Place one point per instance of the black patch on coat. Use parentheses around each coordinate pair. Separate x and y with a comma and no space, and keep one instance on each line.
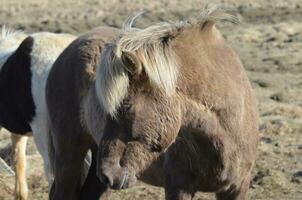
(17,107)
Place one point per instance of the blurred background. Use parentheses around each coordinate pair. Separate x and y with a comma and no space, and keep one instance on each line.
(269,42)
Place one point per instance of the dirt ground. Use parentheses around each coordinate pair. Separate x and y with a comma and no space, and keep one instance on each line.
(269,42)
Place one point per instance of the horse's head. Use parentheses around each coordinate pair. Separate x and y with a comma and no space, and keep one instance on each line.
(145,126)
(136,85)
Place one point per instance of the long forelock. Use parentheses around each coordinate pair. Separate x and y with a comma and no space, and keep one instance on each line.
(111,82)
(152,48)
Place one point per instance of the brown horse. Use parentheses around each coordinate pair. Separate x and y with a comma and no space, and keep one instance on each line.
(170,105)
(69,87)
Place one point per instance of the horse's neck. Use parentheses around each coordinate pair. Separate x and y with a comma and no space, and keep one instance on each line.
(9,45)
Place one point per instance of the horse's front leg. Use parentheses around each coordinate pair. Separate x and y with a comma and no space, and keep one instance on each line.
(179,180)
(19,160)
(176,187)
(235,192)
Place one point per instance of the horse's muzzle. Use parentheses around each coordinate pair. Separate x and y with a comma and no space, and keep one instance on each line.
(115,181)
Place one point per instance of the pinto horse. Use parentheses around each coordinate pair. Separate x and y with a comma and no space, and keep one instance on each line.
(25,61)
(169,104)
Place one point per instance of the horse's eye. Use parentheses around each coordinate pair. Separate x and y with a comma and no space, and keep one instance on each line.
(126,107)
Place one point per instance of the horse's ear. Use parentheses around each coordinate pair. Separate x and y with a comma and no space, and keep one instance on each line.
(131,63)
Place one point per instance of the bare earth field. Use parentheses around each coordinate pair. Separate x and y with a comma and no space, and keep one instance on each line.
(269,42)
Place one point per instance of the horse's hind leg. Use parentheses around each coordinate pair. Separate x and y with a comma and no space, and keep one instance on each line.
(19,159)
(41,138)
(69,158)
(93,188)
(235,193)
(67,179)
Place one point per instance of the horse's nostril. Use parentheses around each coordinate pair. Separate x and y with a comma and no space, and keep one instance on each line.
(106,180)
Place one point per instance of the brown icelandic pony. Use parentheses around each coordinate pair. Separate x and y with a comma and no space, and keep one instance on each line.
(170,105)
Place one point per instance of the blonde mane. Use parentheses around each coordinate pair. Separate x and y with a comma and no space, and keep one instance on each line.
(151,48)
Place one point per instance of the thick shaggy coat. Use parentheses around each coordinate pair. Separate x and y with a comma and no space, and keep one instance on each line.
(169,104)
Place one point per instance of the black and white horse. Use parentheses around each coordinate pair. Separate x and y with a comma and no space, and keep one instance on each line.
(25,61)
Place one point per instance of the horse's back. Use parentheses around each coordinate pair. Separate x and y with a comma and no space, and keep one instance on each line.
(78,61)
(45,50)
(73,74)
(211,74)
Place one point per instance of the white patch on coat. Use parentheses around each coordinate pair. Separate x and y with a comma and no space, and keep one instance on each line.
(46,48)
